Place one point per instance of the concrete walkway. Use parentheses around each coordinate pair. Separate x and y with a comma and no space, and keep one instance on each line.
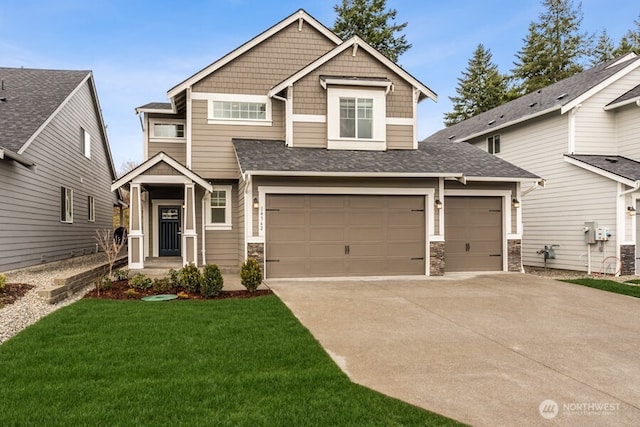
(486,350)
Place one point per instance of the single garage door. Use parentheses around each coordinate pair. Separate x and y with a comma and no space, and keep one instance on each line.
(344,235)
(473,234)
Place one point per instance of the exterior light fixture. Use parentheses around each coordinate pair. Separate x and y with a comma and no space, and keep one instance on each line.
(438,204)
(631,210)
(256,204)
(515,203)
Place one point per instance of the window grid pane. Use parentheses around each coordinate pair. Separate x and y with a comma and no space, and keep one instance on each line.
(347,117)
(240,110)
(218,206)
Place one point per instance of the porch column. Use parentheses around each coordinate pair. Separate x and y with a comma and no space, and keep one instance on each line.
(189,235)
(136,237)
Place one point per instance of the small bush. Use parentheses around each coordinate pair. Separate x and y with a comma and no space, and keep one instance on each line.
(131,293)
(212,281)
(103,283)
(121,274)
(174,276)
(250,274)
(162,286)
(190,278)
(3,282)
(140,282)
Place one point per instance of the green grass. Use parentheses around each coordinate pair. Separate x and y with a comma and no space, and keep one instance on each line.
(608,285)
(228,362)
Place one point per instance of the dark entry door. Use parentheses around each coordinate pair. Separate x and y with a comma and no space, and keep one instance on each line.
(170,235)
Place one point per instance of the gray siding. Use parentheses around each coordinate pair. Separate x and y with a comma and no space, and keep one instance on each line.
(222,246)
(400,137)
(310,135)
(30,227)
(177,150)
(628,127)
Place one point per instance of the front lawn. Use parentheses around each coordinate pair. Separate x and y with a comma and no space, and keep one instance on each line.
(608,285)
(227,362)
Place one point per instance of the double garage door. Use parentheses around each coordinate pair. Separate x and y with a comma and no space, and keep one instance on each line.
(344,235)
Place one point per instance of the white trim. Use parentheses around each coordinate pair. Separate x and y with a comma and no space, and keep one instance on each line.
(601,172)
(301,14)
(54,114)
(255,239)
(428,194)
(227,97)
(91,209)
(155,204)
(309,118)
(500,179)
(635,100)
(161,179)
(86,143)
(400,121)
(379,127)
(416,99)
(153,138)
(597,88)
(68,191)
(145,226)
(441,211)
(160,157)
(289,117)
(456,176)
(189,131)
(571,131)
(506,196)
(155,110)
(228,224)
(341,48)
(337,81)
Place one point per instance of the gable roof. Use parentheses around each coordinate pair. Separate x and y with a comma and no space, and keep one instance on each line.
(161,157)
(627,98)
(559,96)
(618,168)
(156,107)
(355,42)
(300,15)
(29,98)
(460,161)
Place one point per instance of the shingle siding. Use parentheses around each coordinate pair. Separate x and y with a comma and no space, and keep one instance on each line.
(30,227)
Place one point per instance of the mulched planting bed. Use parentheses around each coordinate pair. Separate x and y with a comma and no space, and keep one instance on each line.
(119,291)
(13,292)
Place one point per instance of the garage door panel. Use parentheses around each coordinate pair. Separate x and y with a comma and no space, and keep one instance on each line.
(365,234)
(366,218)
(325,202)
(324,234)
(326,217)
(287,250)
(326,250)
(289,234)
(281,201)
(286,218)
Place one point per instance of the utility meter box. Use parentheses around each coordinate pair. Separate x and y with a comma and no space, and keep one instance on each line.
(590,232)
(602,234)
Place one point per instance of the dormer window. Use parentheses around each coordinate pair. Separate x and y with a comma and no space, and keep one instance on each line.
(356,118)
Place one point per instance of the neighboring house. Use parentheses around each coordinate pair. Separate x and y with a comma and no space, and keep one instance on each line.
(55,166)
(300,149)
(582,135)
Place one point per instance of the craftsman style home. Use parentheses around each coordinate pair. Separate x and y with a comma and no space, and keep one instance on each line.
(582,135)
(55,167)
(301,150)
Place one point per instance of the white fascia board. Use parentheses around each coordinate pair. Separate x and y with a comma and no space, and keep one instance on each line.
(500,179)
(155,111)
(341,48)
(511,123)
(55,112)
(602,172)
(357,174)
(597,88)
(350,82)
(301,14)
(622,104)
(8,154)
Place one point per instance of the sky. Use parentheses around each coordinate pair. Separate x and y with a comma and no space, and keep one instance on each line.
(139,49)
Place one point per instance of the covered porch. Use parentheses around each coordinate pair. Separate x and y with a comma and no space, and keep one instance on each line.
(162,221)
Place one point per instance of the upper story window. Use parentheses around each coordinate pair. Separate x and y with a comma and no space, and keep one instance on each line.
(239,110)
(493,144)
(230,109)
(164,130)
(86,143)
(219,208)
(356,118)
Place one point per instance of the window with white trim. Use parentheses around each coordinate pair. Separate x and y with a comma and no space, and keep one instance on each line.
(91,209)
(66,204)
(239,109)
(218,207)
(86,143)
(356,118)
(493,144)
(163,130)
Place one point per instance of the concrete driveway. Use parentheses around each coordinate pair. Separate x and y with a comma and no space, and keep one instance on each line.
(486,350)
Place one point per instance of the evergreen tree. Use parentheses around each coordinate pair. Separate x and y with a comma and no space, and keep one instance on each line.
(603,50)
(553,48)
(630,41)
(480,88)
(370,20)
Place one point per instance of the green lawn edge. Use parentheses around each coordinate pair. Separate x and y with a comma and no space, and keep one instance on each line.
(607,285)
(228,362)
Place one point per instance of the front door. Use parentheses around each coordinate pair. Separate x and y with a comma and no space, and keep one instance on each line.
(169,231)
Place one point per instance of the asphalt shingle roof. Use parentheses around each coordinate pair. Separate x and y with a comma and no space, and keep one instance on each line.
(28,97)
(157,106)
(632,94)
(555,95)
(436,158)
(617,165)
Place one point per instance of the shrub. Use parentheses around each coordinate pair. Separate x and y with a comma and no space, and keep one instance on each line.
(104,283)
(190,278)
(250,274)
(162,286)
(3,281)
(212,281)
(131,293)
(121,274)
(140,282)
(174,276)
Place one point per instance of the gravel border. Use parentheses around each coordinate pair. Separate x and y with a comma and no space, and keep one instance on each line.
(31,308)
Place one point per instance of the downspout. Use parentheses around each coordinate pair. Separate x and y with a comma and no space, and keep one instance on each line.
(204,231)
(288,114)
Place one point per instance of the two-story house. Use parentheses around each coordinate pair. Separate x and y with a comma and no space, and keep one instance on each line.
(582,135)
(301,150)
(56,168)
